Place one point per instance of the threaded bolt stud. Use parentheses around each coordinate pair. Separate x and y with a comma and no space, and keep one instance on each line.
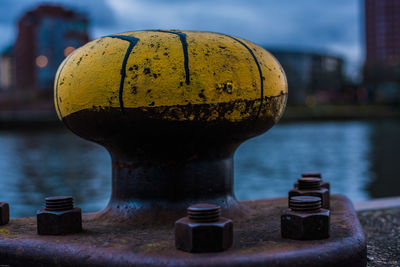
(59,203)
(305,203)
(309,183)
(312,174)
(204,212)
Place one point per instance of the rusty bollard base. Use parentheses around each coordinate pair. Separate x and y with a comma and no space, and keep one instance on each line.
(257,242)
(4,213)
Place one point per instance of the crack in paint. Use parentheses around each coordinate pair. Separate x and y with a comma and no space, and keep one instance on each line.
(132,42)
(182,38)
(259,70)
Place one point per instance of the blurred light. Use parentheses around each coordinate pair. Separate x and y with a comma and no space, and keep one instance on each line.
(41,61)
(310,101)
(68,50)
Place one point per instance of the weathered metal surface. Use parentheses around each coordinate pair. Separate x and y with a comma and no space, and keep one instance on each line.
(203,230)
(305,220)
(257,242)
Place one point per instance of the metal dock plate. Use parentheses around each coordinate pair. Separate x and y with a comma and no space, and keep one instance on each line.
(257,242)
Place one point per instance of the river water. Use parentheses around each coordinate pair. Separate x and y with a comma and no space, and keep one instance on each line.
(360,159)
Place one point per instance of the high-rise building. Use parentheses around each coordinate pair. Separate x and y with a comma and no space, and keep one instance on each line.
(46,35)
(382,38)
(382,25)
(7,70)
(312,77)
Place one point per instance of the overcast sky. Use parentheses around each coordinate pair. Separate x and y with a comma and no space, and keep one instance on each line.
(308,25)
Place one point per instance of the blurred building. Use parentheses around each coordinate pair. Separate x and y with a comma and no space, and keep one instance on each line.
(46,35)
(382,38)
(311,77)
(7,69)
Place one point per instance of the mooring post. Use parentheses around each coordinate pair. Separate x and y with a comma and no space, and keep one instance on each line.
(171,107)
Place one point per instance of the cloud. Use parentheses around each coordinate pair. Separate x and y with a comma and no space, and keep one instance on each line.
(312,25)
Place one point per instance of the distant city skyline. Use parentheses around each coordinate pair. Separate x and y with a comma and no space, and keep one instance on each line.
(382,31)
(333,27)
(46,35)
(382,66)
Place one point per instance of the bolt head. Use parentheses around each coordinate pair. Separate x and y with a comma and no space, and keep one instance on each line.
(59,222)
(4,213)
(305,226)
(203,237)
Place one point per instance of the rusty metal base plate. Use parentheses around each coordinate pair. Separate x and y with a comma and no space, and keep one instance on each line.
(257,242)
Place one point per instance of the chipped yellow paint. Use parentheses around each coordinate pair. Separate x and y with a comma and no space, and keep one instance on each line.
(221,70)
(5,232)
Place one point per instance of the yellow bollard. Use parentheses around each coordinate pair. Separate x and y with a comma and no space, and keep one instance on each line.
(163,70)
(171,107)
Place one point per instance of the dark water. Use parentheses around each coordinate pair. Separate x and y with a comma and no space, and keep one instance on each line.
(359,159)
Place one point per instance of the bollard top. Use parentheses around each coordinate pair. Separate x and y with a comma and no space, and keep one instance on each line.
(150,90)
(167,71)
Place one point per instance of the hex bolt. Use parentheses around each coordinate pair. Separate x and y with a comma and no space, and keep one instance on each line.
(311,186)
(305,219)
(60,217)
(317,175)
(4,213)
(203,230)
